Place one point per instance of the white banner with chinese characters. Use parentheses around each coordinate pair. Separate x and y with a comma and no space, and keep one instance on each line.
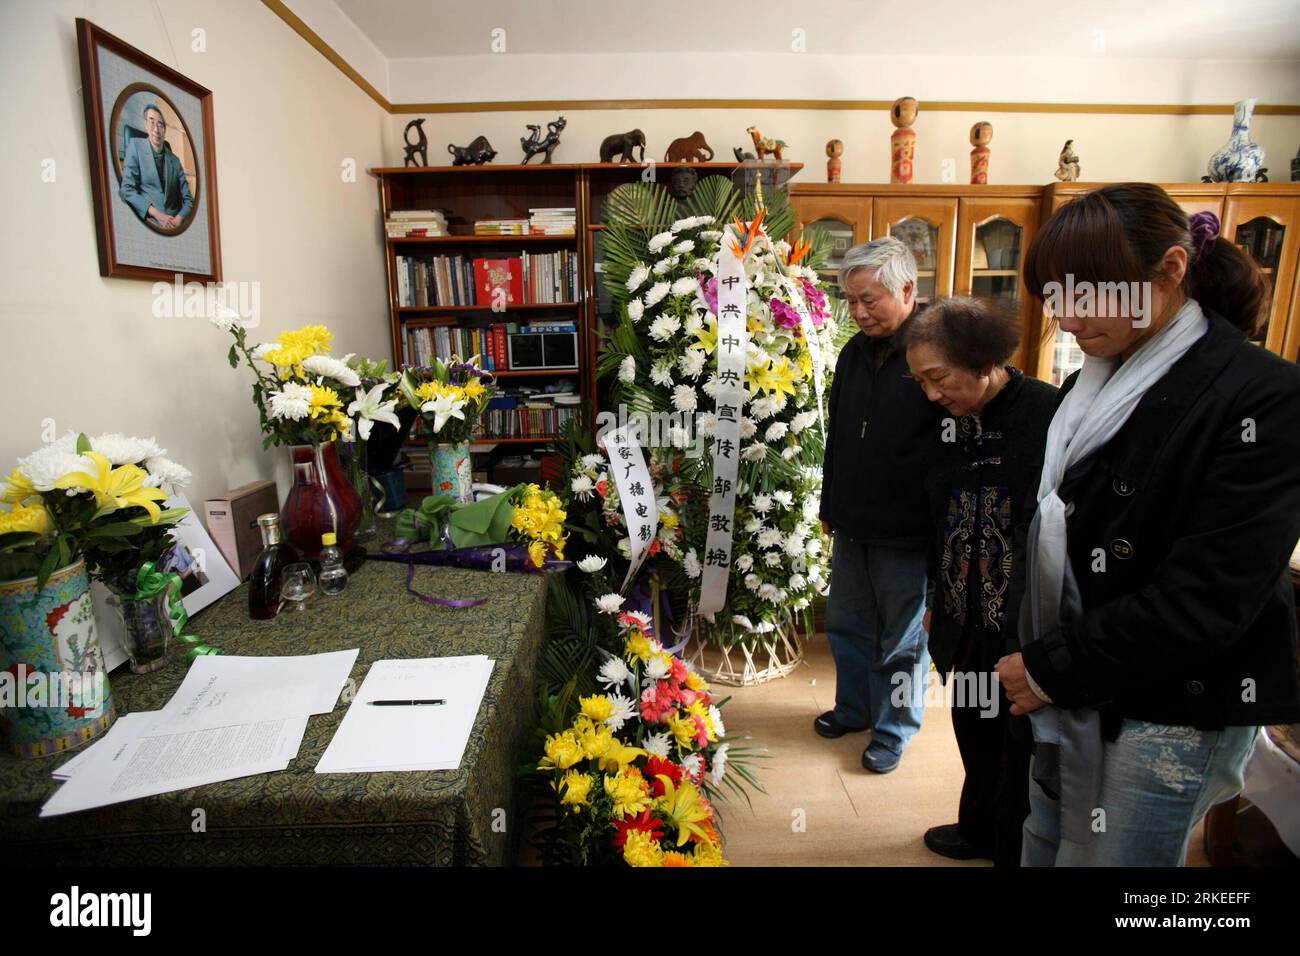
(636,493)
(729,403)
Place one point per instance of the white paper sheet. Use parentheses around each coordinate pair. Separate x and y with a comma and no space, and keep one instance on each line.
(220,690)
(139,762)
(375,739)
(121,727)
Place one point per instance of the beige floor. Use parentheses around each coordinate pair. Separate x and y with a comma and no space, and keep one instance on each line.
(821,808)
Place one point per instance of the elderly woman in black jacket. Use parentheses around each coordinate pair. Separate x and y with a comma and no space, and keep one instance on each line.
(1158,628)
(981,471)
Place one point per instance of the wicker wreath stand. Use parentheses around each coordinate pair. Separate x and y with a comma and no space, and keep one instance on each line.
(724,654)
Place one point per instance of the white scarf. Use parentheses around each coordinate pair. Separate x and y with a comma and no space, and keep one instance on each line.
(1101,401)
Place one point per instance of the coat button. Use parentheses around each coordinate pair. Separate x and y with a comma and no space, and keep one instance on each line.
(1121,549)
(1195,687)
(1122,487)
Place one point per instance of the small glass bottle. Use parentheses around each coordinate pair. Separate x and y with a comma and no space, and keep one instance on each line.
(264,601)
(333,577)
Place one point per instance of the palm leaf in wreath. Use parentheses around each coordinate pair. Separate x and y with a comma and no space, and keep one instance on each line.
(644,205)
(714,196)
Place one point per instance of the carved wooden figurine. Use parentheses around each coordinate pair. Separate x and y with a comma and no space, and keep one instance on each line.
(419,150)
(834,149)
(535,143)
(766,146)
(478,152)
(689,149)
(1067,167)
(902,144)
(981,134)
(625,145)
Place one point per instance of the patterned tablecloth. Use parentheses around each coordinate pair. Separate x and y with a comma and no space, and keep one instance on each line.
(442,818)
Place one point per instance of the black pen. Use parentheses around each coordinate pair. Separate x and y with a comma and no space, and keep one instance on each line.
(403,703)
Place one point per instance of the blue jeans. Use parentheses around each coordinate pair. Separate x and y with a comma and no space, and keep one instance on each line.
(873,621)
(1157,781)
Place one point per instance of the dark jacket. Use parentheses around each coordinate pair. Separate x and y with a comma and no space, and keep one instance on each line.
(1180,534)
(981,478)
(880,426)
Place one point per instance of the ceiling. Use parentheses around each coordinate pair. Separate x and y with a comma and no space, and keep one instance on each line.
(1190,29)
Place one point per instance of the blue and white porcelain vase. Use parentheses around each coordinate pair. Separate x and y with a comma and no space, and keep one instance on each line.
(1240,160)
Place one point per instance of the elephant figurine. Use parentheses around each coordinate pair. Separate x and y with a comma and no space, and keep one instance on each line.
(689,149)
(623,144)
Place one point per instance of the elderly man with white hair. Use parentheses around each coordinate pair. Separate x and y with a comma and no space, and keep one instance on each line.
(874,504)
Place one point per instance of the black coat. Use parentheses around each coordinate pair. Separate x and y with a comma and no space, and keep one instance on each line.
(879,428)
(1180,534)
(981,478)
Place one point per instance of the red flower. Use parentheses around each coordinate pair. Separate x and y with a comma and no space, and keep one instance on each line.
(654,547)
(642,821)
(602,487)
(656,766)
(679,673)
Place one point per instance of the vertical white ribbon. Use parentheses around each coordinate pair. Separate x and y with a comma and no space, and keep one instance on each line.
(729,405)
(636,493)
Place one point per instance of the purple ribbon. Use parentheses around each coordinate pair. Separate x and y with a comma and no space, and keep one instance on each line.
(440,602)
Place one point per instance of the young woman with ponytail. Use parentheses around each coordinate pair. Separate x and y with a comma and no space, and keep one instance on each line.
(1158,627)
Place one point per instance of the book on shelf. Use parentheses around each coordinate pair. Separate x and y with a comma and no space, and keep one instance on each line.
(552,221)
(445,340)
(404,223)
(501,227)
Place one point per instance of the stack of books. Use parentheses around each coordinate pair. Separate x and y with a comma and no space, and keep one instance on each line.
(501,227)
(444,342)
(435,280)
(552,221)
(524,412)
(402,223)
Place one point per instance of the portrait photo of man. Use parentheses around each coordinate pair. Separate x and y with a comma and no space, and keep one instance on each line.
(154,181)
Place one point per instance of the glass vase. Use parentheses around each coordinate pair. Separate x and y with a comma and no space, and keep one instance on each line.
(359,476)
(146,629)
(321,499)
(453,470)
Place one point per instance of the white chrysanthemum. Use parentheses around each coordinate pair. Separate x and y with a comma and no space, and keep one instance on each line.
(775,431)
(753,525)
(692,325)
(798,582)
(678,437)
(625,709)
(772,559)
(794,543)
(702,265)
(583,488)
(658,243)
(745,562)
(46,465)
(683,247)
(711,386)
(625,547)
(770,537)
(594,460)
(761,503)
(790,451)
(661,373)
(665,327)
(765,627)
(609,603)
(332,368)
(164,470)
(592,563)
(783,498)
(753,581)
(656,294)
(292,402)
(748,428)
(122,449)
(627,370)
(685,398)
(637,277)
(643,621)
(224,317)
(813,546)
(686,285)
(613,672)
(691,363)
(754,452)
(635,309)
(692,564)
(815,573)
(657,668)
(711,235)
(259,351)
(719,728)
(743,621)
(802,421)
(707,423)
(719,769)
(665,266)
(693,764)
(657,745)
(762,408)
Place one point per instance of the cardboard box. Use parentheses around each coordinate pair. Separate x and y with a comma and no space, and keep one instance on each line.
(232,522)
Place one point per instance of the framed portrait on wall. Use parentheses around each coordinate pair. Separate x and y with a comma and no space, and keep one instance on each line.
(152,163)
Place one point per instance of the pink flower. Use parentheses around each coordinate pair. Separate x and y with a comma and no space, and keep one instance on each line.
(709,290)
(783,314)
(816,301)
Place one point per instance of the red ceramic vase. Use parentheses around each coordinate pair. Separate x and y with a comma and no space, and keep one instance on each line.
(321,499)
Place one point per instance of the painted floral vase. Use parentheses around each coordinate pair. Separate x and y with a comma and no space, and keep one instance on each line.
(453,470)
(1241,159)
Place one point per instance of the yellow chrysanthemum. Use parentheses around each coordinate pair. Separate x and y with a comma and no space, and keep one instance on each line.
(708,853)
(428,391)
(641,849)
(638,646)
(695,682)
(473,388)
(685,809)
(562,751)
(597,707)
(804,363)
(595,739)
(309,339)
(33,519)
(668,519)
(18,488)
(537,553)
(115,488)
(629,792)
(683,730)
(575,789)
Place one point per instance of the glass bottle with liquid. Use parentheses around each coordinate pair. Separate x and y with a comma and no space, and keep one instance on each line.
(333,576)
(264,600)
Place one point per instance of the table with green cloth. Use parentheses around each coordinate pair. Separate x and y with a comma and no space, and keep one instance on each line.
(443,818)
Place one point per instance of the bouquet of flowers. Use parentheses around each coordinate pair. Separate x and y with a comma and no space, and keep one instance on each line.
(631,771)
(449,397)
(298,386)
(590,485)
(93,498)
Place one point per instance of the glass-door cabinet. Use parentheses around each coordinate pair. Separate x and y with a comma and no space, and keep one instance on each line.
(927,225)
(1266,228)
(845,218)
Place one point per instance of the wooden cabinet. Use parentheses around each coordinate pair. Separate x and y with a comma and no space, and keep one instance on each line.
(1265,226)
(928,226)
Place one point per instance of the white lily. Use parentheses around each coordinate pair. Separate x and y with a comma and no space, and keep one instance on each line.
(444,408)
(369,408)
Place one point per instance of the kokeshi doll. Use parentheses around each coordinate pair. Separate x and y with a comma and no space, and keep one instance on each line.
(903,143)
(981,134)
(834,150)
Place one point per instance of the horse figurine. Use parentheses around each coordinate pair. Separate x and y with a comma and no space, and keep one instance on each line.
(764,147)
(533,145)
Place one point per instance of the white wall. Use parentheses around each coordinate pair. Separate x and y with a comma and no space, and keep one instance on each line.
(1157,148)
(86,351)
